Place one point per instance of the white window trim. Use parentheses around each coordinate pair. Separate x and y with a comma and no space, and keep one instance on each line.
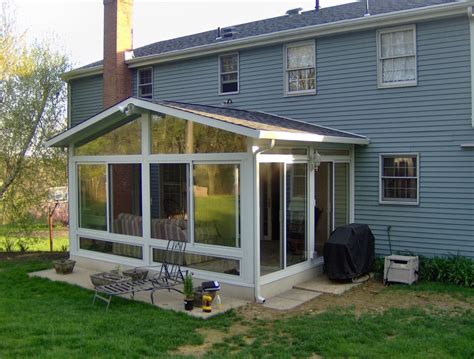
(400,202)
(149,83)
(380,83)
(224,73)
(285,68)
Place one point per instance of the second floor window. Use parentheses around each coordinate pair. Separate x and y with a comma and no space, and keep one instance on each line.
(397,57)
(145,83)
(300,72)
(229,73)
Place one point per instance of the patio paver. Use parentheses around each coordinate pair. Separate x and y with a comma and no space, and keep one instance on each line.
(163,299)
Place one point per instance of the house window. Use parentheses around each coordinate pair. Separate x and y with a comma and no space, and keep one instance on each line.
(397,57)
(300,68)
(399,178)
(229,73)
(145,83)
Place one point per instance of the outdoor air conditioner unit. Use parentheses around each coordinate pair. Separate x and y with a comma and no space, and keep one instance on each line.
(400,269)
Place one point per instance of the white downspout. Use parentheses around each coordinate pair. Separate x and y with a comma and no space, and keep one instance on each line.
(256,151)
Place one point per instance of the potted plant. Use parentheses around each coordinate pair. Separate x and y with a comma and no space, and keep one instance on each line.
(64,266)
(188,292)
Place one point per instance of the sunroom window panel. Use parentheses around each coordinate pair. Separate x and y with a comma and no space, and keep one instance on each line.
(169,201)
(171,135)
(125,191)
(124,140)
(217,204)
(296,213)
(92,196)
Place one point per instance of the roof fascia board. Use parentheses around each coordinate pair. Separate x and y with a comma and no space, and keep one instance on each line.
(368,22)
(82,126)
(82,72)
(62,138)
(309,137)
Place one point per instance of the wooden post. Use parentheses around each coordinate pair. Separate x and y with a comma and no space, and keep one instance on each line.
(50,225)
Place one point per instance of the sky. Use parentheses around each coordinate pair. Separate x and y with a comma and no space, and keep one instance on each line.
(75,27)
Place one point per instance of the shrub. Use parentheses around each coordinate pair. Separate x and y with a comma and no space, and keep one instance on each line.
(457,270)
(23,246)
(9,245)
(454,269)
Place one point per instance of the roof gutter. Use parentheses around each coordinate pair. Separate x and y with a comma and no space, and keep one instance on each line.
(82,72)
(362,23)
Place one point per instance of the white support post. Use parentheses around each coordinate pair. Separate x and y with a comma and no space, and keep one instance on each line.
(146,209)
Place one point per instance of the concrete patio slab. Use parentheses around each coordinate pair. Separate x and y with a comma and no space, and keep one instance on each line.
(290,299)
(163,299)
(323,284)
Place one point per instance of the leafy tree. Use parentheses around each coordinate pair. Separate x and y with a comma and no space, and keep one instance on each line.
(32,109)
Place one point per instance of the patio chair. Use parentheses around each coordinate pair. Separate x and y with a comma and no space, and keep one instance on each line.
(168,277)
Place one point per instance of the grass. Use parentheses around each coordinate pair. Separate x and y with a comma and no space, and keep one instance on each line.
(409,333)
(37,241)
(40,318)
(44,319)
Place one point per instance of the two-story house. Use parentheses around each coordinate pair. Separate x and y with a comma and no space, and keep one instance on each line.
(253,142)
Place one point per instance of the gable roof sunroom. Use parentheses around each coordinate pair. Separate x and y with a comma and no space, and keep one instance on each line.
(253,124)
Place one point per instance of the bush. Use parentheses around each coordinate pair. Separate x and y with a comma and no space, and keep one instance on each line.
(454,269)
(457,270)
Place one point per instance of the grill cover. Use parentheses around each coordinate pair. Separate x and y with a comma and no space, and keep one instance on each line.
(349,252)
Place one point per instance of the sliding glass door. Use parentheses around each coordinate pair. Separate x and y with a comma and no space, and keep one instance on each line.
(332,200)
(283,215)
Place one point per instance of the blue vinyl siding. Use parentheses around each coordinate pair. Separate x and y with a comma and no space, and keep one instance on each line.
(86,98)
(432,119)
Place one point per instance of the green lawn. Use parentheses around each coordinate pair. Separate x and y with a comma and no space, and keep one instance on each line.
(44,319)
(36,240)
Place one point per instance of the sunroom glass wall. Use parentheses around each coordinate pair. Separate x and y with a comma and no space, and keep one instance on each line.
(169,201)
(217,204)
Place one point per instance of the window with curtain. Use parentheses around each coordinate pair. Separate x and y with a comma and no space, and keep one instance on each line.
(300,68)
(397,57)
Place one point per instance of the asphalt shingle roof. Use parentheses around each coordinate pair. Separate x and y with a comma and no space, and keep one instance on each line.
(327,15)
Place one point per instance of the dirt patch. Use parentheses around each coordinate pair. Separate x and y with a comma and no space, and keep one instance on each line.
(211,337)
(7,256)
(371,296)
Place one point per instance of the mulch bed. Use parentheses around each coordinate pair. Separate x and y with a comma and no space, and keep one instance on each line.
(28,256)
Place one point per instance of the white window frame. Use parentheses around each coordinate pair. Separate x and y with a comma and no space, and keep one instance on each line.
(226,73)
(311,43)
(139,85)
(380,83)
(417,177)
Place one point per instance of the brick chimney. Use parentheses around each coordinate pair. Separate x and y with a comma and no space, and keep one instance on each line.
(117,41)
